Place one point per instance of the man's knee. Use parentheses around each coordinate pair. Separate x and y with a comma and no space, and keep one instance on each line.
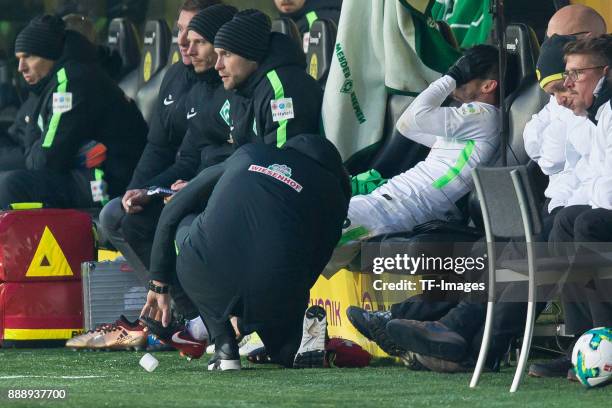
(563,225)
(593,225)
(111,215)
(12,185)
(139,227)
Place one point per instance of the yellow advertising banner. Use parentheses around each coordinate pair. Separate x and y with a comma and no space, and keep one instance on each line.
(345,288)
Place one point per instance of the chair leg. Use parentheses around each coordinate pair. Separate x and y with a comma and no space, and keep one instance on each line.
(484,346)
(522,363)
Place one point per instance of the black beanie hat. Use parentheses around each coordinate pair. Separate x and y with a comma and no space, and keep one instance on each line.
(247,35)
(43,37)
(208,21)
(551,64)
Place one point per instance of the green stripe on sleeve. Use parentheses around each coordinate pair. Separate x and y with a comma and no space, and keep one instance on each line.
(454,171)
(311,17)
(62,85)
(279,93)
(353,235)
(99,176)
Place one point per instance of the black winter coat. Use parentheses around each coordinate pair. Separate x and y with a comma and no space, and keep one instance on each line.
(279,100)
(168,126)
(206,140)
(273,217)
(80,103)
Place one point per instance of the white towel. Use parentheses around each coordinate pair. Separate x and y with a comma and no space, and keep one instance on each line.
(382,46)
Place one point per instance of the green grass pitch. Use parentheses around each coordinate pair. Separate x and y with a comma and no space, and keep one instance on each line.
(115,379)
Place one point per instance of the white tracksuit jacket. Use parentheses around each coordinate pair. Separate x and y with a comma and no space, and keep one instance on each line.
(557,139)
(460,139)
(595,174)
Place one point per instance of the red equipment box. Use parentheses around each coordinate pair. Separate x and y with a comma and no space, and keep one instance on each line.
(41,251)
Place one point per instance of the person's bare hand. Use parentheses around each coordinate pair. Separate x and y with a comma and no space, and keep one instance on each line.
(176,186)
(133,201)
(157,307)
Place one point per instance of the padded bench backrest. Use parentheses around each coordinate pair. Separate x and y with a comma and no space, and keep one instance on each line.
(321,49)
(287,26)
(397,153)
(123,37)
(157,39)
(174,55)
(526,98)
(156,45)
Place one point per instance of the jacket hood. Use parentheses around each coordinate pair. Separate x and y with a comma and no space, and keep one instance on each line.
(79,48)
(282,52)
(321,150)
(314,5)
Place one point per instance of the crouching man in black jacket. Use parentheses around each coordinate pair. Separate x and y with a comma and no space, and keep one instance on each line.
(272,219)
(84,137)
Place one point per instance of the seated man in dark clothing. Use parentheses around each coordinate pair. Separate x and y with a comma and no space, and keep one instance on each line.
(188,134)
(77,47)
(273,97)
(272,218)
(79,106)
(306,12)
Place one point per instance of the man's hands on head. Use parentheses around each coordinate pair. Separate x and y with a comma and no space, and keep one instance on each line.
(133,201)
(461,71)
(157,306)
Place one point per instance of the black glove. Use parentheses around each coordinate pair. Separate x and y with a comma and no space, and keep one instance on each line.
(461,71)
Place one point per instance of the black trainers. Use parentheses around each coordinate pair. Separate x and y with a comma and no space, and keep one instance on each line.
(156,328)
(226,356)
(360,319)
(311,353)
(431,339)
(558,367)
(380,335)
(438,365)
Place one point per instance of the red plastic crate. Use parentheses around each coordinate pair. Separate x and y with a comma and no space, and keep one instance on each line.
(44,245)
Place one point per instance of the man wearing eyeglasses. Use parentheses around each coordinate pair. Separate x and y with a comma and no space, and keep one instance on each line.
(584,226)
(550,137)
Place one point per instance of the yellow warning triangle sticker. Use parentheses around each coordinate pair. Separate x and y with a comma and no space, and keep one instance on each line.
(49,259)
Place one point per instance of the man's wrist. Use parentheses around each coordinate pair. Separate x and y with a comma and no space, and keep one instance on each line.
(158,287)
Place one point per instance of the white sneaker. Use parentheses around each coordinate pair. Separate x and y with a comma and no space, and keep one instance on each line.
(311,353)
(249,343)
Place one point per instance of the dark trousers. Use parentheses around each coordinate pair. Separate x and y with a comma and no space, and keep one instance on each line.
(575,232)
(58,190)
(281,341)
(467,317)
(11,155)
(132,235)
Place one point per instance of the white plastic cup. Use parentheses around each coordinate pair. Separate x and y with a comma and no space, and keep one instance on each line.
(149,363)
